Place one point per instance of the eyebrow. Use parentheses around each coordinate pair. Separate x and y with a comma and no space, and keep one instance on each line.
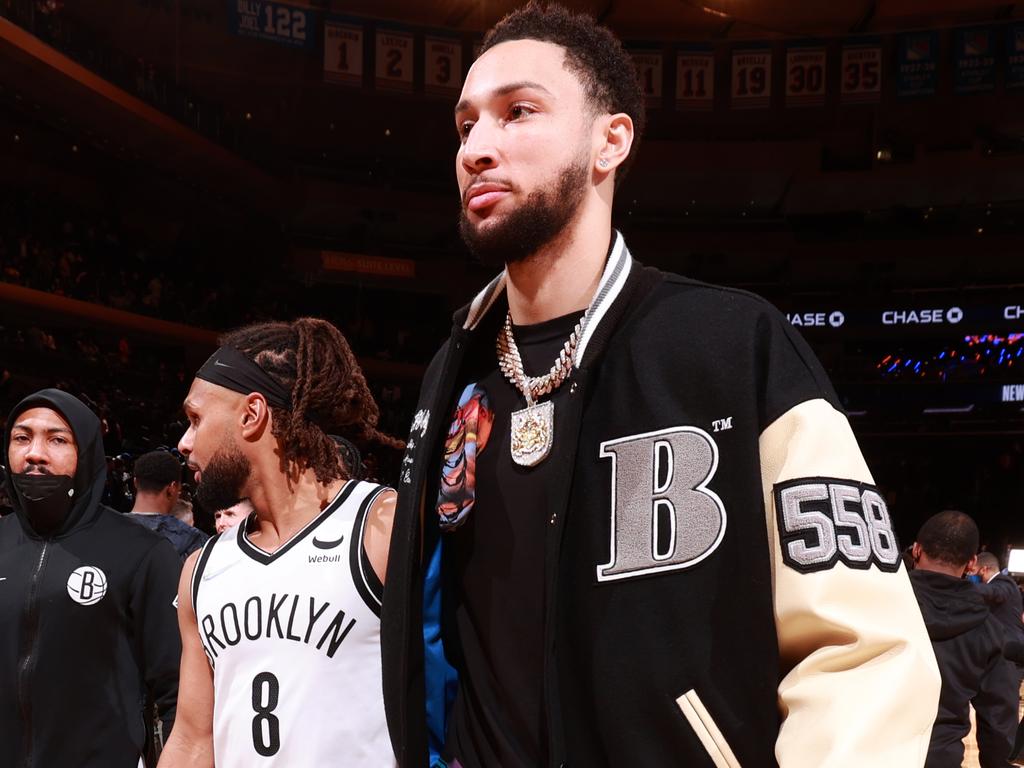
(50,431)
(505,90)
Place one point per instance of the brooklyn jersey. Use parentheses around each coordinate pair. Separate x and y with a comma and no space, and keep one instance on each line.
(293,638)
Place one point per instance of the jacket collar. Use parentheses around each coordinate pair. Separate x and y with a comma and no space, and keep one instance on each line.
(616,272)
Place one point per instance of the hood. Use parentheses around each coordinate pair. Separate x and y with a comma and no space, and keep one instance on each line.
(91,474)
(950,606)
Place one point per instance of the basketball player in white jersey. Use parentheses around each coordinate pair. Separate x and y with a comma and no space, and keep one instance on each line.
(279,614)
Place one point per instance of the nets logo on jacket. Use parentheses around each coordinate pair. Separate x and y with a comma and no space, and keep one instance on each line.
(87,585)
(663,515)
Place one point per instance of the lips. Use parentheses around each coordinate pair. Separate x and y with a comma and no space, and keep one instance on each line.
(485,195)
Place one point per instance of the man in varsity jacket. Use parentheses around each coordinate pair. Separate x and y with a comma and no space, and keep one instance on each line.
(634,526)
(88,626)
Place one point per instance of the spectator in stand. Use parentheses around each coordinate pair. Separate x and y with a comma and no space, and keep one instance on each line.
(968,642)
(157,489)
(1002,595)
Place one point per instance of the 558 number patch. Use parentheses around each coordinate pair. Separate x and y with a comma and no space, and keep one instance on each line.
(824,521)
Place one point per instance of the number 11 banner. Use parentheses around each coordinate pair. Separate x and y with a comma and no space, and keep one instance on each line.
(751,78)
(805,76)
(695,79)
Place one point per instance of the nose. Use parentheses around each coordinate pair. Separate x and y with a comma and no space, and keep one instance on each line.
(36,453)
(480,151)
(185,443)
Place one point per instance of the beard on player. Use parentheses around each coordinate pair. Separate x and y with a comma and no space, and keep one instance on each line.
(541,219)
(223,478)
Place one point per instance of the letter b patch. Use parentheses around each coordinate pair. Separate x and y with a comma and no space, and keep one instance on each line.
(664,517)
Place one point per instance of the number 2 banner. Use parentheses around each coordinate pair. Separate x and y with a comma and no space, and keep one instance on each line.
(394,60)
(443,65)
(695,79)
(805,76)
(343,53)
(751,78)
(860,74)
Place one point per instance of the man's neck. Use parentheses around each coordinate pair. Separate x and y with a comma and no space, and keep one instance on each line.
(563,276)
(926,563)
(147,505)
(284,507)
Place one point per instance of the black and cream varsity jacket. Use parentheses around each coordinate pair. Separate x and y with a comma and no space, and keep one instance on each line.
(773,624)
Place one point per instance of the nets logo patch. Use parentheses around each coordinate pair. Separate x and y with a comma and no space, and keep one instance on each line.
(824,521)
(87,585)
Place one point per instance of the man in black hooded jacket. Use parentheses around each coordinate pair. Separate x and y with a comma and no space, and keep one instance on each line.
(968,643)
(88,624)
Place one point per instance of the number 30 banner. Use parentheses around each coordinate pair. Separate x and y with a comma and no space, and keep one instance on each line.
(805,76)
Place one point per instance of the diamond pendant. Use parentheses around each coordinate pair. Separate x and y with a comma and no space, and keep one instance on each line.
(533,430)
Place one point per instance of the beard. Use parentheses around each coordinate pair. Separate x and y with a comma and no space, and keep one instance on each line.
(534,224)
(223,479)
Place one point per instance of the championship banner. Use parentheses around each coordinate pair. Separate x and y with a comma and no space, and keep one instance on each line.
(917,70)
(1015,56)
(394,60)
(805,76)
(649,73)
(974,60)
(860,73)
(751,78)
(343,53)
(442,65)
(695,79)
(272,21)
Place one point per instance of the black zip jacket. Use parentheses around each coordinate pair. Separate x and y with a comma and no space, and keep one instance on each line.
(768,623)
(968,641)
(76,673)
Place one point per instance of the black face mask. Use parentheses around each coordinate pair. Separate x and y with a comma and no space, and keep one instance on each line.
(47,499)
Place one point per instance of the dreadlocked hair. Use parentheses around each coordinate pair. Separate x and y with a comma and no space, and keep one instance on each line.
(313,361)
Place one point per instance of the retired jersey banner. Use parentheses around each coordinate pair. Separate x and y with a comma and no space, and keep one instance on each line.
(751,78)
(272,21)
(648,71)
(343,53)
(442,65)
(974,60)
(394,67)
(805,76)
(860,72)
(695,79)
(1015,56)
(917,66)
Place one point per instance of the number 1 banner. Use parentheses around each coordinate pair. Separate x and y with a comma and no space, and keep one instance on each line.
(343,53)
(695,79)
(751,78)
(394,60)
(648,71)
(860,74)
(443,65)
(805,76)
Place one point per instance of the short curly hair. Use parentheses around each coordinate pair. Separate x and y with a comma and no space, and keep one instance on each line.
(606,70)
(951,537)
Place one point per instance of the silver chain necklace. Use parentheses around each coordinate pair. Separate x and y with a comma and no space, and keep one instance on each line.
(533,427)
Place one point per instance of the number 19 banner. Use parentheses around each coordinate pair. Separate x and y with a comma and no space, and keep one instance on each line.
(751,78)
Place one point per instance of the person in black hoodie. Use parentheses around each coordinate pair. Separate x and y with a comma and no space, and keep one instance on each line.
(88,620)
(968,642)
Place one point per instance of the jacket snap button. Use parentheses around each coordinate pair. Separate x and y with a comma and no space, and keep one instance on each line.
(572,391)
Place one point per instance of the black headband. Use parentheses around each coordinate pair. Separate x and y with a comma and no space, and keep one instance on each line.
(229,368)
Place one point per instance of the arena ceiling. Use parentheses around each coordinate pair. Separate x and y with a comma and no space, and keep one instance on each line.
(705,19)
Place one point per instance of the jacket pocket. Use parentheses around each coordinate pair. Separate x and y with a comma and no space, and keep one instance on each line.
(703,725)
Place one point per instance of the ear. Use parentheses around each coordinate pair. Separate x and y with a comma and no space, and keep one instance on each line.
(915,552)
(255,416)
(612,142)
(972,565)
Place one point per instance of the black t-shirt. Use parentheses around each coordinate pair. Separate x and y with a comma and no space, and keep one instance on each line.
(498,571)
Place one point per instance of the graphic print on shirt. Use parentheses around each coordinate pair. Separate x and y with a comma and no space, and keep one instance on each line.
(467,437)
(87,585)
(663,515)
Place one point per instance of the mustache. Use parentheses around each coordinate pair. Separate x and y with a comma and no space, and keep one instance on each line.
(37,469)
(481,179)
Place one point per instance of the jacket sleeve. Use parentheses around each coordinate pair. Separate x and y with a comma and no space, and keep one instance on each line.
(154,613)
(859,684)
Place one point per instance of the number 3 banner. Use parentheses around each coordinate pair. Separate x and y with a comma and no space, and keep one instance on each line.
(343,53)
(805,76)
(394,60)
(443,66)
(695,79)
(751,78)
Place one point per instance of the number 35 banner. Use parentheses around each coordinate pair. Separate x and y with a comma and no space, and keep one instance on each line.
(394,59)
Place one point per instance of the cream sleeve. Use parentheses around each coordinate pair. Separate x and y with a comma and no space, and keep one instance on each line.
(860,684)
